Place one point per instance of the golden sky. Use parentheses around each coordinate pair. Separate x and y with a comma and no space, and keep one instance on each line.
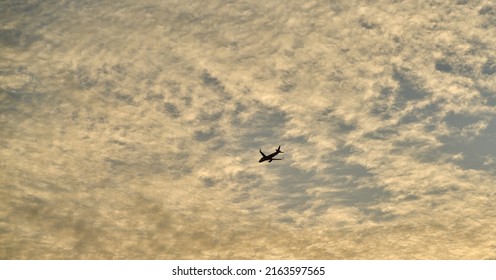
(131,129)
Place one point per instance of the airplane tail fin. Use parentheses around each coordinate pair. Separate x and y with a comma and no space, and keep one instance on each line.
(279,150)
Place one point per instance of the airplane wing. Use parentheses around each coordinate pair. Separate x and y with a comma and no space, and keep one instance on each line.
(277,158)
(262,153)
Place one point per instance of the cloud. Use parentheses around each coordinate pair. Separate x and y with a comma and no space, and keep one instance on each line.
(131,130)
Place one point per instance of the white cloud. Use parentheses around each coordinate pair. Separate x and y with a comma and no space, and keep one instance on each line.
(142,121)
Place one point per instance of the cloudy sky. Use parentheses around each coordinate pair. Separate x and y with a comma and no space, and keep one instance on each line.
(131,129)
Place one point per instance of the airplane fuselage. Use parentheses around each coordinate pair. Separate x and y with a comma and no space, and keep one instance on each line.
(269,157)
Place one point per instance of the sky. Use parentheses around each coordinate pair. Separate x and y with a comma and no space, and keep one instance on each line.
(132,129)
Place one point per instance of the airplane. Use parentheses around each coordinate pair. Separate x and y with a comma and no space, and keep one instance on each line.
(270,157)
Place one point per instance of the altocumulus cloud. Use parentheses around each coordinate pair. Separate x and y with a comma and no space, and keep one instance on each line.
(131,130)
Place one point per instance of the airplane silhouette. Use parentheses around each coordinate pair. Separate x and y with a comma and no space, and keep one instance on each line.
(271,156)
